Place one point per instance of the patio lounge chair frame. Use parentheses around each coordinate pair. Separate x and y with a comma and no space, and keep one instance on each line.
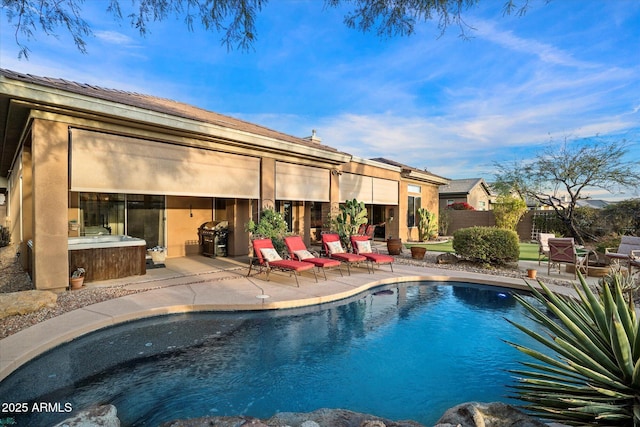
(627,252)
(286,265)
(295,243)
(347,258)
(543,245)
(372,257)
(563,251)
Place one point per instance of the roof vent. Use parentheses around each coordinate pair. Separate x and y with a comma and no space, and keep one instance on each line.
(314,137)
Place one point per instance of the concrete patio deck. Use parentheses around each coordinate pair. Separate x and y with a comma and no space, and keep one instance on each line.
(199,283)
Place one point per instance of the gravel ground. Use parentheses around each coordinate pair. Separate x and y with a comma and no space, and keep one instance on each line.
(13,279)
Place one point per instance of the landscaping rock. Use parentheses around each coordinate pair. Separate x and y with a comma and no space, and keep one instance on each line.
(99,416)
(447,258)
(319,418)
(496,414)
(25,302)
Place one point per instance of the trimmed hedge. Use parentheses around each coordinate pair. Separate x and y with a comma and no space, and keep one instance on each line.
(487,245)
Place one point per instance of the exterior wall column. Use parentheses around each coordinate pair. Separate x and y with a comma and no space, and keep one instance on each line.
(334,192)
(239,215)
(49,167)
(267,183)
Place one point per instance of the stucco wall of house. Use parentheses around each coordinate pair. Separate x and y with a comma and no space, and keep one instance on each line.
(184,216)
(48,218)
(429,200)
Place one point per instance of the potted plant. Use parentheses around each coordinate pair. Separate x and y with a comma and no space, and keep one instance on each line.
(394,245)
(158,254)
(77,278)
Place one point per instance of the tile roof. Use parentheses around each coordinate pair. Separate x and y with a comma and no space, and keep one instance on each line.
(160,105)
(462,186)
(404,167)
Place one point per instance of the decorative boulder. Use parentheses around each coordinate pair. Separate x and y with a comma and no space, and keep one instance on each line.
(99,416)
(474,414)
(320,417)
(25,302)
(447,258)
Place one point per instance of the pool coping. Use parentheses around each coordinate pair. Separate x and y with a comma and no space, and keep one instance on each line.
(222,290)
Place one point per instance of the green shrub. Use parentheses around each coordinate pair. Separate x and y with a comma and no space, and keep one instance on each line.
(508,211)
(271,225)
(487,245)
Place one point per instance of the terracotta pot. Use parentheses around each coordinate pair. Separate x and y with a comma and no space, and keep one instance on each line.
(76,282)
(394,246)
(531,273)
(417,252)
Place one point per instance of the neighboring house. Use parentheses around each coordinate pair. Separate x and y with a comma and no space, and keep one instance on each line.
(78,160)
(474,191)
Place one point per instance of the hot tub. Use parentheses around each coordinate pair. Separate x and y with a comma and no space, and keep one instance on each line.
(107,257)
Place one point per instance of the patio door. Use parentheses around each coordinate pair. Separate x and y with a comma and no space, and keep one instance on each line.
(146,219)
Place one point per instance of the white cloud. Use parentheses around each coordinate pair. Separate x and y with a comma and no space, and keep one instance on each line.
(114,37)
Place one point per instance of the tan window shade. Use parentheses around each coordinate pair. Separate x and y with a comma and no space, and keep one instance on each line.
(119,164)
(385,192)
(303,183)
(368,189)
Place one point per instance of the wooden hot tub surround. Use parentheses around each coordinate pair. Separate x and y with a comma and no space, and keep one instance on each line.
(108,257)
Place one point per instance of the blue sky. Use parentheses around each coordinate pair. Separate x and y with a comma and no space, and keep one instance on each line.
(566,69)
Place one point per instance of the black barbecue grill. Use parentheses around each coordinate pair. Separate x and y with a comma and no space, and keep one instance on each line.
(214,236)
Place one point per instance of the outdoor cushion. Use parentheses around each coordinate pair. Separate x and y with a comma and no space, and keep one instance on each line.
(379,258)
(344,256)
(270,254)
(292,265)
(303,254)
(364,247)
(335,248)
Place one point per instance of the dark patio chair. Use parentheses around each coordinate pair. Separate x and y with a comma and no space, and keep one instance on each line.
(563,251)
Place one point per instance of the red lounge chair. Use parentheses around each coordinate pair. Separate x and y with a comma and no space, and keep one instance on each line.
(362,246)
(266,258)
(333,248)
(298,251)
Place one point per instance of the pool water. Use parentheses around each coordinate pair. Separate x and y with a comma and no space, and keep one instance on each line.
(409,352)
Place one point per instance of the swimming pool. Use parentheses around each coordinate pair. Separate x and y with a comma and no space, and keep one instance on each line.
(407,351)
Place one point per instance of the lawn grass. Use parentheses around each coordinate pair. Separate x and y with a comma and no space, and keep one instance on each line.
(528,251)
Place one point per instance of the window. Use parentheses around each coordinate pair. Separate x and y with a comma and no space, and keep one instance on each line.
(413,205)
(450,202)
(134,215)
(316,215)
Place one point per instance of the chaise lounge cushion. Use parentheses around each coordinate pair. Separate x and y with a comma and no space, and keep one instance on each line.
(270,254)
(363,246)
(303,254)
(375,258)
(335,248)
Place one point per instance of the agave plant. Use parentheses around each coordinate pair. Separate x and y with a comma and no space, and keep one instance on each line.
(595,378)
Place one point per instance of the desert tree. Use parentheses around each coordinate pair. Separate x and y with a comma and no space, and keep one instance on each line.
(558,176)
(234,19)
